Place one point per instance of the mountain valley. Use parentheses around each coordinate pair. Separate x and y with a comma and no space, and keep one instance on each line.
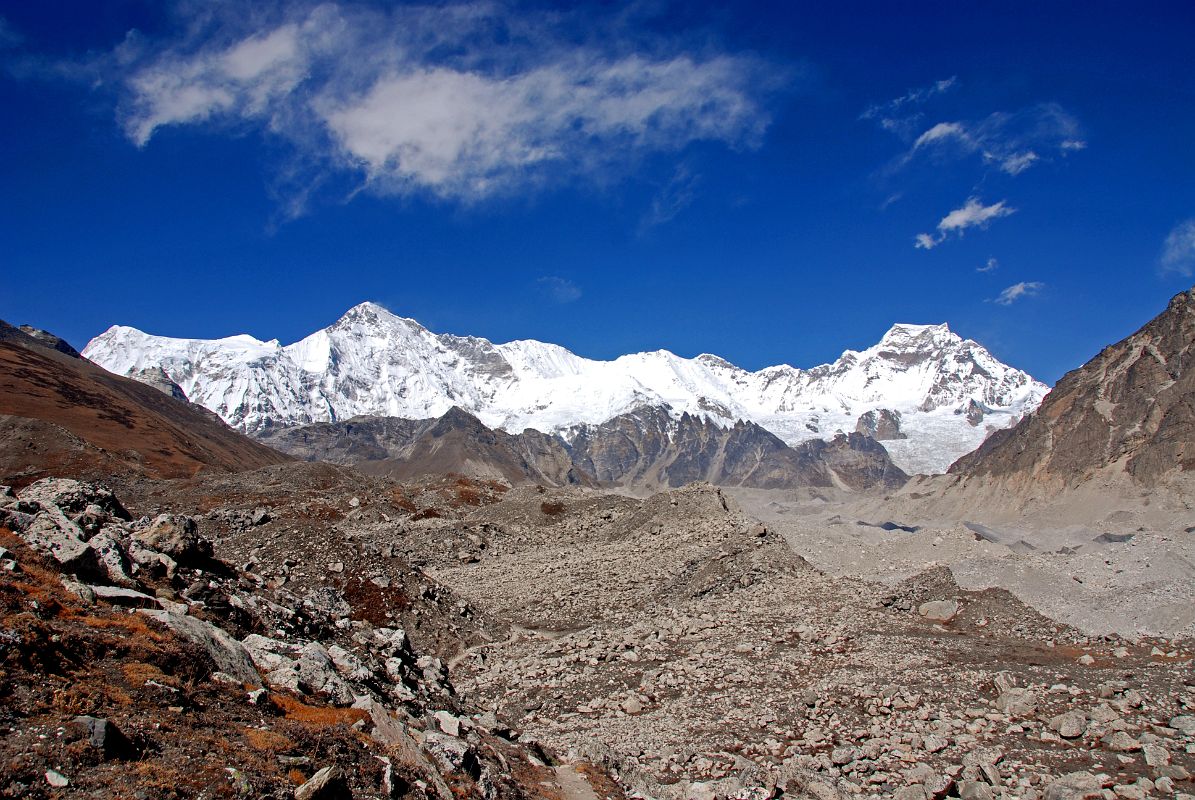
(665,603)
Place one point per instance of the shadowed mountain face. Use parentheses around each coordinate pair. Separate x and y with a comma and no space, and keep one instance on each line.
(646,448)
(649,447)
(1130,409)
(455,443)
(61,414)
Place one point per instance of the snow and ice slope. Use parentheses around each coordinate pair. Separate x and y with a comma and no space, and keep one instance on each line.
(947,392)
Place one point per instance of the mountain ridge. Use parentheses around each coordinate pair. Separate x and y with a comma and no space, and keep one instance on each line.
(371,362)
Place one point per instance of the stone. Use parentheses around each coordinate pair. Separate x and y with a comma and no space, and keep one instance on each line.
(260,516)
(1017,702)
(448,723)
(1069,725)
(843,755)
(120,596)
(1074,786)
(104,736)
(449,752)
(914,792)
(111,558)
(57,779)
(226,653)
(326,784)
(1120,742)
(148,559)
(68,549)
(974,790)
(177,536)
(1184,723)
(72,496)
(317,673)
(942,611)
(1156,755)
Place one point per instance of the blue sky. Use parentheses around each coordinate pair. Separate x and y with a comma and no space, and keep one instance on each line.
(770,182)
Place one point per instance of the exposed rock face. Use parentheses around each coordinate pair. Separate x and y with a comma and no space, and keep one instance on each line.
(456,442)
(1131,409)
(157,378)
(648,448)
(881,424)
(51,341)
(651,447)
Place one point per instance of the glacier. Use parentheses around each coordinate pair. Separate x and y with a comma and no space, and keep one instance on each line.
(948,392)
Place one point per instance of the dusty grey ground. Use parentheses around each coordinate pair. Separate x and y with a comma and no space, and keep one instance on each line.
(1126,566)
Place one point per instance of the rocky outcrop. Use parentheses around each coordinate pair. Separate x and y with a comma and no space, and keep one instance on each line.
(882,425)
(1130,411)
(51,341)
(212,677)
(157,378)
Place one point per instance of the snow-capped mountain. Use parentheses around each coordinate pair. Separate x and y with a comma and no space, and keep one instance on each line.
(945,393)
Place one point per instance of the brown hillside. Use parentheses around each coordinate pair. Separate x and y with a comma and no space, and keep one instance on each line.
(65,415)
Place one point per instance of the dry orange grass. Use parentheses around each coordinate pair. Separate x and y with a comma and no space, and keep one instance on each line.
(319,716)
(271,741)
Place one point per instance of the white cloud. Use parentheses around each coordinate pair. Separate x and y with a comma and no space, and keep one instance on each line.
(991,265)
(944,131)
(559,290)
(1019,290)
(1178,251)
(924,241)
(461,101)
(1012,142)
(898,115)
(971,214)
(1017,163)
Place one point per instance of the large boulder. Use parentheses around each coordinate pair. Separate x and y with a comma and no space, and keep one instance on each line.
(73,497)
(228,655)
(177,536)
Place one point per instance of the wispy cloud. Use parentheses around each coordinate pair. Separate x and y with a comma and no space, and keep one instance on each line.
(971,214)
(1178,251)
(991,265)
(1017,291)
(672,198)
(9,36)
(459,101)
(901,115)
(559,290)
(1010,142)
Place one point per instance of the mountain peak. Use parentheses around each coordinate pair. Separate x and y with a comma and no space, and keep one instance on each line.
(372,362)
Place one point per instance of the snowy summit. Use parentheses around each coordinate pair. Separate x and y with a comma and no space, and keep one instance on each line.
(930,395)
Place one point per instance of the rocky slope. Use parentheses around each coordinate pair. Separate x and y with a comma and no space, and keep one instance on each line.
(645,449)
(950,392)
(134,663)
(62,413)
(1130,411)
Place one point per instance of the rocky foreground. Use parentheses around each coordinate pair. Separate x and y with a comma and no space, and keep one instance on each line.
(305,631)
